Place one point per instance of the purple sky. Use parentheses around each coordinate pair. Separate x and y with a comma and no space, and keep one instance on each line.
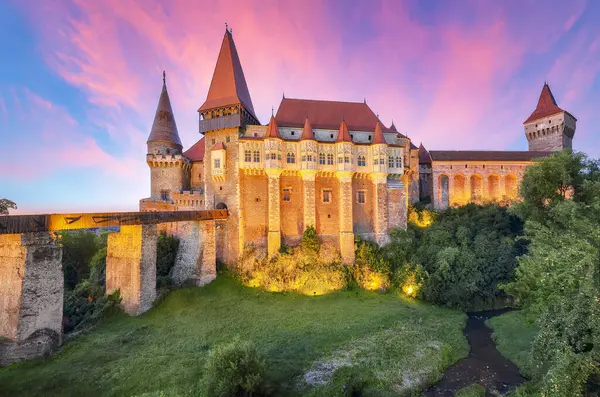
(80,87)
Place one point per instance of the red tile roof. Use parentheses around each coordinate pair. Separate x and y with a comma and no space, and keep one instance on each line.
(228,85)
(218,146)
(378,134)
(343,134)
(483,155)
(196,152)
(307,132)
(272,129)
(546,105)
(424,156)
(326,114)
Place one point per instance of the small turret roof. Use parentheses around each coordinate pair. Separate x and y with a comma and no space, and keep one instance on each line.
(424,156)
(272,129)
(343,134)
(378,137)
(307,132)
(164,127)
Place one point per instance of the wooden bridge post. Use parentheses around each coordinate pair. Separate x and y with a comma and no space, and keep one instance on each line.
(31,295)
(131,266)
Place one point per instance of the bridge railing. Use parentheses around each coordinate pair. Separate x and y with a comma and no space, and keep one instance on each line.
(16,224)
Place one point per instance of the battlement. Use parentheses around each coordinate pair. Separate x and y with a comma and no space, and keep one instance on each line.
(168,160)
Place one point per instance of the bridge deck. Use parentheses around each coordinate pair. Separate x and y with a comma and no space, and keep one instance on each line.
(15,224)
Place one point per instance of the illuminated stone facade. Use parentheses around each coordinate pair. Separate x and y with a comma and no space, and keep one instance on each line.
(327,164)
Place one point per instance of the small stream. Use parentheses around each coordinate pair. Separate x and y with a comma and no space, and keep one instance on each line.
(484,364)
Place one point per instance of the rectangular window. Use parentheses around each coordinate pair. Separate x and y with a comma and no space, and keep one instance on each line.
(391,162)
(340,160)
(347,159)
(287,194)
(326,195)
(360,197)
(217,163)
(330,159)
(164,195)
(247,156)
(227,139)
(256,156)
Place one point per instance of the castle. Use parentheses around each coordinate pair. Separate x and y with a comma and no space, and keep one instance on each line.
(327,164)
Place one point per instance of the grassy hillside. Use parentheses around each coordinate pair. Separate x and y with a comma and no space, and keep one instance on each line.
(393,343)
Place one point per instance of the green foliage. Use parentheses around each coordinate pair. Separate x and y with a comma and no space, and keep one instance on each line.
(310,240)
(166,253)
(558,280)
(79,247)
(467,253)
(86,304)
(235,369)
(5,205)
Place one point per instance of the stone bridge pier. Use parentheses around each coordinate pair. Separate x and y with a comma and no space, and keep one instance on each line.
(32,278)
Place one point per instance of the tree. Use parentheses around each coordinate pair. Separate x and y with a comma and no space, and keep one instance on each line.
(5,205)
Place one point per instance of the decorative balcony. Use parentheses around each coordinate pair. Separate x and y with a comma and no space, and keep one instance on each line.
(218,123)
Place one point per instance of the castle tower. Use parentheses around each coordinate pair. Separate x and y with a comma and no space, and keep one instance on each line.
(308,152)
(169,170)
(273,149)
(379,180)
(224,116)
(343,149)
(549,128)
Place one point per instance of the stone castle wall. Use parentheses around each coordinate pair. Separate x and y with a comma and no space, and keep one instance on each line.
(552,133)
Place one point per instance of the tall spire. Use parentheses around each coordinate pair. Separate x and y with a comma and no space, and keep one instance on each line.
(272,129)
(307,132)
(546,105)
(228,85)
(343,134)
(164,128)
(378,137)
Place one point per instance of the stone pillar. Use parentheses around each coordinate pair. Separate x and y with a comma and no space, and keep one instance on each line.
(346,220)
(196,256)
(468,192)
(380,207)
(436,191)
(502,186)
(274,231)
(397,204)
(31,296)
(451,195)
(131,266)
(309,203)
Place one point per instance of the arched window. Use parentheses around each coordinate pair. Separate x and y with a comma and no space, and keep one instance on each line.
(329,159)
(247,156)
(362,161)
(322,158)
(256,156)
(291,158)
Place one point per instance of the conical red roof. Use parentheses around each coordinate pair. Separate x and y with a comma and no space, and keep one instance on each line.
(546,106)
(228,85)
(378,135)
(272,130)
(164,127)
(343,134)
(307,132)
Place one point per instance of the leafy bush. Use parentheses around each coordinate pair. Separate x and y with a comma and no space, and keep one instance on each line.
(166,253)
(310,240)
(371,270)
(235,369)
(467,253)
(86,304)
(79,247)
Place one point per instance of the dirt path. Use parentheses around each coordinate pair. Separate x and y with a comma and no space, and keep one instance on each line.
(484,364)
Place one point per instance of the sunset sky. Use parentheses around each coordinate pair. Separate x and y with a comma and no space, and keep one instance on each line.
(80,80)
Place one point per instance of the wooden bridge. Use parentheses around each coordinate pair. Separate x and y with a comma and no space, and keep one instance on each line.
(32,279)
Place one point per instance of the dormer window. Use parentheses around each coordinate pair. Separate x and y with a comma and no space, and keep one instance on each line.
(369,137)
(293,132)
(331,136)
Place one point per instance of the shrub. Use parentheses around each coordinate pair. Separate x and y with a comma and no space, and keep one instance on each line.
(235,369)
(86,304)
(310,240)
(371,270)
(79,247)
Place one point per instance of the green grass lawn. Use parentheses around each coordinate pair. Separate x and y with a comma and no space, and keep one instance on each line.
(393,343)
(513,338)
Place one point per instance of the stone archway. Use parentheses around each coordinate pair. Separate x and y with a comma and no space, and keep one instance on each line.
(443,192)
(476,188)
(511,186)
(459,193)
(494,188)
(221,206)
